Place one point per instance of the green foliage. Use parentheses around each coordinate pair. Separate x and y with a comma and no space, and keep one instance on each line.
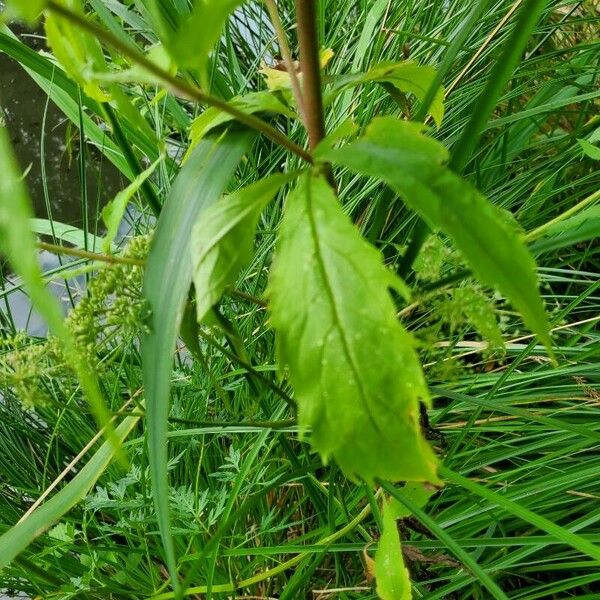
(357,378)
(393,582)
(29,10)
(223,239)
(414,165)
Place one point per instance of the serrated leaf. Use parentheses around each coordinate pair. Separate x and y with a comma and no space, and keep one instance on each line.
(167,281)
(393,581)
(252,103)
(407,76)
(78,52)
(357,378)
(29,10)
(113,212)
(399,153)
(223,238)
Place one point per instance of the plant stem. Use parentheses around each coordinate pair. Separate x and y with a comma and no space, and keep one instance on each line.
(314,119)
(286,55)
(90,255)
(177,85)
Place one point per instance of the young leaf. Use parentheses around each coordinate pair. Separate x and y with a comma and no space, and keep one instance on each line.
(29,10)
(357,378)
(223,237)
(413,164)
(113,212)
(79,53)
(589,149)
(408,77)
(167,281)
(393,581)
(252,103)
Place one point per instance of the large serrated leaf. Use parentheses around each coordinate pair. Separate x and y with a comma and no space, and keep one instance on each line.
(399,153)
(167,281)
(222,239)
(357,378)
(393,581)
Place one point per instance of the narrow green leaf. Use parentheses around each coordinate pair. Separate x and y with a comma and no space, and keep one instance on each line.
(408,77)
(580,228)
(393,581)
(223,238)
(18,537)
(113,212)
(29,10)
(18,244)
(67,233)
(357,378)
(252,103)
(589,149)
(413,164)
(167,281)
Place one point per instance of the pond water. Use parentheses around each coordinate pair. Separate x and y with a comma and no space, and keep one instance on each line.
(47,148)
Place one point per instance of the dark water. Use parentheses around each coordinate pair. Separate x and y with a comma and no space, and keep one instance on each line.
(47,147)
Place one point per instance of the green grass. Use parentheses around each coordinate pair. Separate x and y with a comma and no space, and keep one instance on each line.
(253,512)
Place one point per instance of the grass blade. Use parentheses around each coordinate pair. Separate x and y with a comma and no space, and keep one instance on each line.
(167,282)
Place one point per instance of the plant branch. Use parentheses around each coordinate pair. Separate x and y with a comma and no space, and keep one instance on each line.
(310,66)
(179,86)
(107,258)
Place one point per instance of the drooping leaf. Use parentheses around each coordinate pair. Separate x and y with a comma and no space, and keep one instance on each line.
(408,77)
(399,153)
(113,212)
(167,280)
(252,103)
(67,233)
(580,228)
(357,378)
(78,52)
(29,10)
(223,238)
(17,538)
(17,243)
(393,581)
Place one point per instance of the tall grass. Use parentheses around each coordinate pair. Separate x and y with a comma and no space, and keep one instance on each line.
(254,513)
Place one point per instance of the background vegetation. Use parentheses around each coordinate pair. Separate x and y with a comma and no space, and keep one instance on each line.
(254,513)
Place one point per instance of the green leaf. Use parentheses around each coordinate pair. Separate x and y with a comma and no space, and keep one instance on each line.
(29,10)
(79,53)
(393,581)
(580,228)
(113,212)
(252,103)
(589,149)
(223,238)
(18,244)
(200,183)
(18,537)
(201,31)
(408,77)
(357,378)
(417,492)
(413,164)
(67,233)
